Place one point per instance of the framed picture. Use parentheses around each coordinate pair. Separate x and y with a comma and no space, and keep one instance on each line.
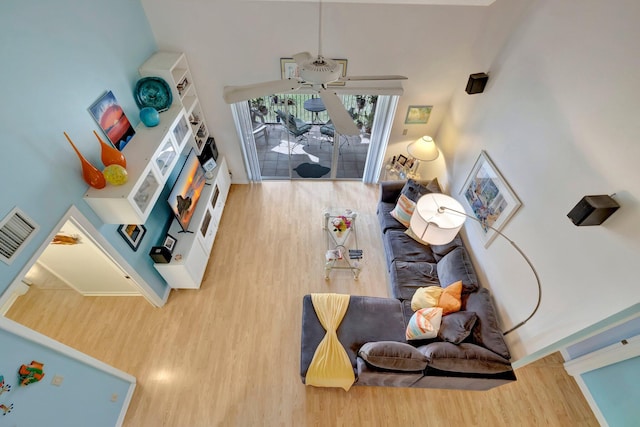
(111,118)
(489,197)
(418,114)
(401,160)
(132,234)
(289,70)
(169,242)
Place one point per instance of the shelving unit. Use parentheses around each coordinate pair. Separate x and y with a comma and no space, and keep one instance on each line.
(192,249)
(173,67)
(151,156)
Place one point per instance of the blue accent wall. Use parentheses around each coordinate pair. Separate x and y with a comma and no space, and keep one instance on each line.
(83,398)
(57,59)
(615,390)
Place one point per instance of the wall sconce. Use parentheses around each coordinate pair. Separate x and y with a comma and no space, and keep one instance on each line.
(593,210)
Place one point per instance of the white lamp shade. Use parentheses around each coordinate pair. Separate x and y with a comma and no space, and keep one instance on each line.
(433,225)
(423,149)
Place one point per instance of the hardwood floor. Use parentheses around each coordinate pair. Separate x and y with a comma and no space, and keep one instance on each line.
(228,353)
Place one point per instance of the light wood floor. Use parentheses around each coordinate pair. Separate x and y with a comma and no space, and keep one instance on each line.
(228,354)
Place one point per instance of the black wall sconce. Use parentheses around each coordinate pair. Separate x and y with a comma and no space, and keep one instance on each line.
(593,210)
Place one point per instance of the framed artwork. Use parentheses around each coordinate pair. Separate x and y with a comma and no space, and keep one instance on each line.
(132,234)
(489,198)
(401,159)
(111,118)
(418,114)
(289,70)
(169,242)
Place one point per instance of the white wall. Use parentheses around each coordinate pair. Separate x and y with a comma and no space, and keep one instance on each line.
(559,118)
(239,42)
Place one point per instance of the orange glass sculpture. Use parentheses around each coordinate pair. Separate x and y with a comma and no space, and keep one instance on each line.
(90,174)
(110,156)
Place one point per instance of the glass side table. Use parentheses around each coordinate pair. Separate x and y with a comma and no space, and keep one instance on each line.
(342,253)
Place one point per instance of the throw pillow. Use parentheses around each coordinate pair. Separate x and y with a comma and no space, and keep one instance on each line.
(456,327)
(397,356)
(424,324)
(414,190)
(451,299)
(403,210)
(456,265)
(426,297)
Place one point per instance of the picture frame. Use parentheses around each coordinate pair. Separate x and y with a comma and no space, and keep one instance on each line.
(489,198)
(402,160)
(418,114)
(132,234)
(289,70)
(112,120)
(169,242)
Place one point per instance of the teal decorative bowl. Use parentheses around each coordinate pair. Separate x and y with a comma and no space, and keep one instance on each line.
(149,117)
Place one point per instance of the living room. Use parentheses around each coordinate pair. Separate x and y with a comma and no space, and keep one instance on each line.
(556,118)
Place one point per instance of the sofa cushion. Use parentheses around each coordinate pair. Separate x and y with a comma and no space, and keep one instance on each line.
(409,232)
(424,324)
(440,251)
(392,355)
(385,219)
(456,265)
(451,298)
(465,357)
(426,297)
(414,189)
(455,327)
(403,210)
(486,332)
(400,247)
(405,278)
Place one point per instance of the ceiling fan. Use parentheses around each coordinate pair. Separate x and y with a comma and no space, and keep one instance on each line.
(315,74)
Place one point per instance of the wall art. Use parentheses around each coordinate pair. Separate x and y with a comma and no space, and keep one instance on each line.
(132,234)
(418,114)
(489,197)
(111,118)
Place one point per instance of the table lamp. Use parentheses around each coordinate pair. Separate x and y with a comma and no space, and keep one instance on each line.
(438,218)
(423,149)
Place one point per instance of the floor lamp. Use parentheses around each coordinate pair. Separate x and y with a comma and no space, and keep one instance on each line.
(438,218)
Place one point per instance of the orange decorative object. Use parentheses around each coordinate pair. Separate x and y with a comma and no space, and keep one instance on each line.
(110,156)
(90,174)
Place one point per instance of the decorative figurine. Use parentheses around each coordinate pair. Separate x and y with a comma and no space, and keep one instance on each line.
(30,373)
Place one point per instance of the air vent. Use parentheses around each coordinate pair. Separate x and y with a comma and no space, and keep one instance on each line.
(16,230)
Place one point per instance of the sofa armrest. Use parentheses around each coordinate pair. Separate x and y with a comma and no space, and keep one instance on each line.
(390,191)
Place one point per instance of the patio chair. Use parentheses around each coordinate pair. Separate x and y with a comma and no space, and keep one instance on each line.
(296,127)
(329,130)
(259,125)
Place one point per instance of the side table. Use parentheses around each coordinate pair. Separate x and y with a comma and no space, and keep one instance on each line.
(342,253)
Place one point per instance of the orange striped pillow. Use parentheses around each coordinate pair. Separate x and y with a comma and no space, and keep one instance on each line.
(403,210)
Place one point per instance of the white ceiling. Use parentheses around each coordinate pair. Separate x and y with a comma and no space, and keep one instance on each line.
(432,2)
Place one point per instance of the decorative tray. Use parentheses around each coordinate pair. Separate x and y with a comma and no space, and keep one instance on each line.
(153,92)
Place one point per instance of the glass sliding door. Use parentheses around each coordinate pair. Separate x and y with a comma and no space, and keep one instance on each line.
(291,136)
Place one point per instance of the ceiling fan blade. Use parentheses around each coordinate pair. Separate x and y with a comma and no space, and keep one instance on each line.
(340,118)
(361,78)
(233,94)
(302,58)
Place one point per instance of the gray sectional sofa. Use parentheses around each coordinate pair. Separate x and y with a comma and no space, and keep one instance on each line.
(469,353)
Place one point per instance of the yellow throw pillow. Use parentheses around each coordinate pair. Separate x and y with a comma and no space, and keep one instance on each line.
(451,299)
(403,210)
(426,297)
